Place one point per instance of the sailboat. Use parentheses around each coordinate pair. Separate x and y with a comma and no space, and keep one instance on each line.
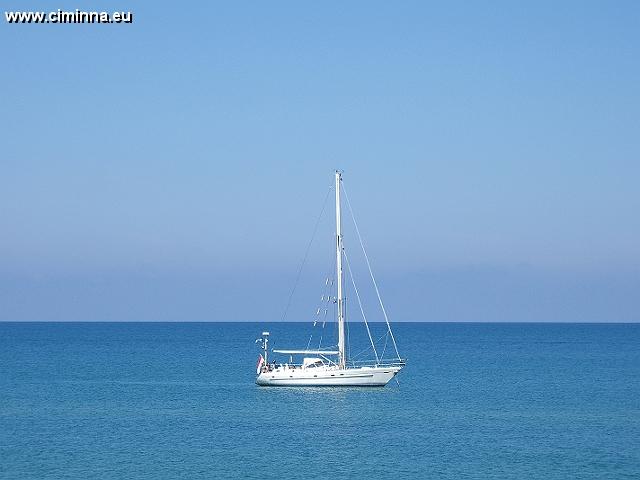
(331,367)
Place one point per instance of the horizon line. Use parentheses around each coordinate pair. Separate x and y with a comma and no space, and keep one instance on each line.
(510,322)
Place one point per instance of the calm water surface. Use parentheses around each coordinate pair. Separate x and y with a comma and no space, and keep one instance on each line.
(141,400)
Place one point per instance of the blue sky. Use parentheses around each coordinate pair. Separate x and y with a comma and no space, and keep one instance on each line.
(172,169)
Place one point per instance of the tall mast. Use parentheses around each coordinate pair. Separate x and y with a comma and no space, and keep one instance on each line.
(342,360)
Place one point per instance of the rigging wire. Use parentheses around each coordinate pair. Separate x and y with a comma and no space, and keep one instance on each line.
(385,335)
(326,294)
(386,340)
(360,304)
(375,284)
(306,254)
(346,325)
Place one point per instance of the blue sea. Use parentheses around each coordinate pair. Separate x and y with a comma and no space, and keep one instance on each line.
(178,400)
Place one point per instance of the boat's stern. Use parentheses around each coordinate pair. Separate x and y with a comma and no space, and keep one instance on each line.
(262,379)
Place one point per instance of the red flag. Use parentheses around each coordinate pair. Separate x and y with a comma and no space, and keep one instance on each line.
(259,365)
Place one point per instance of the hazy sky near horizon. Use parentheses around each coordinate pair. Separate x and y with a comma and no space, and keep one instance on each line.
(173,169)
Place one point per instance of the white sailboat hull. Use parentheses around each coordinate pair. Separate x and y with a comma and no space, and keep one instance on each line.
(329,377)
